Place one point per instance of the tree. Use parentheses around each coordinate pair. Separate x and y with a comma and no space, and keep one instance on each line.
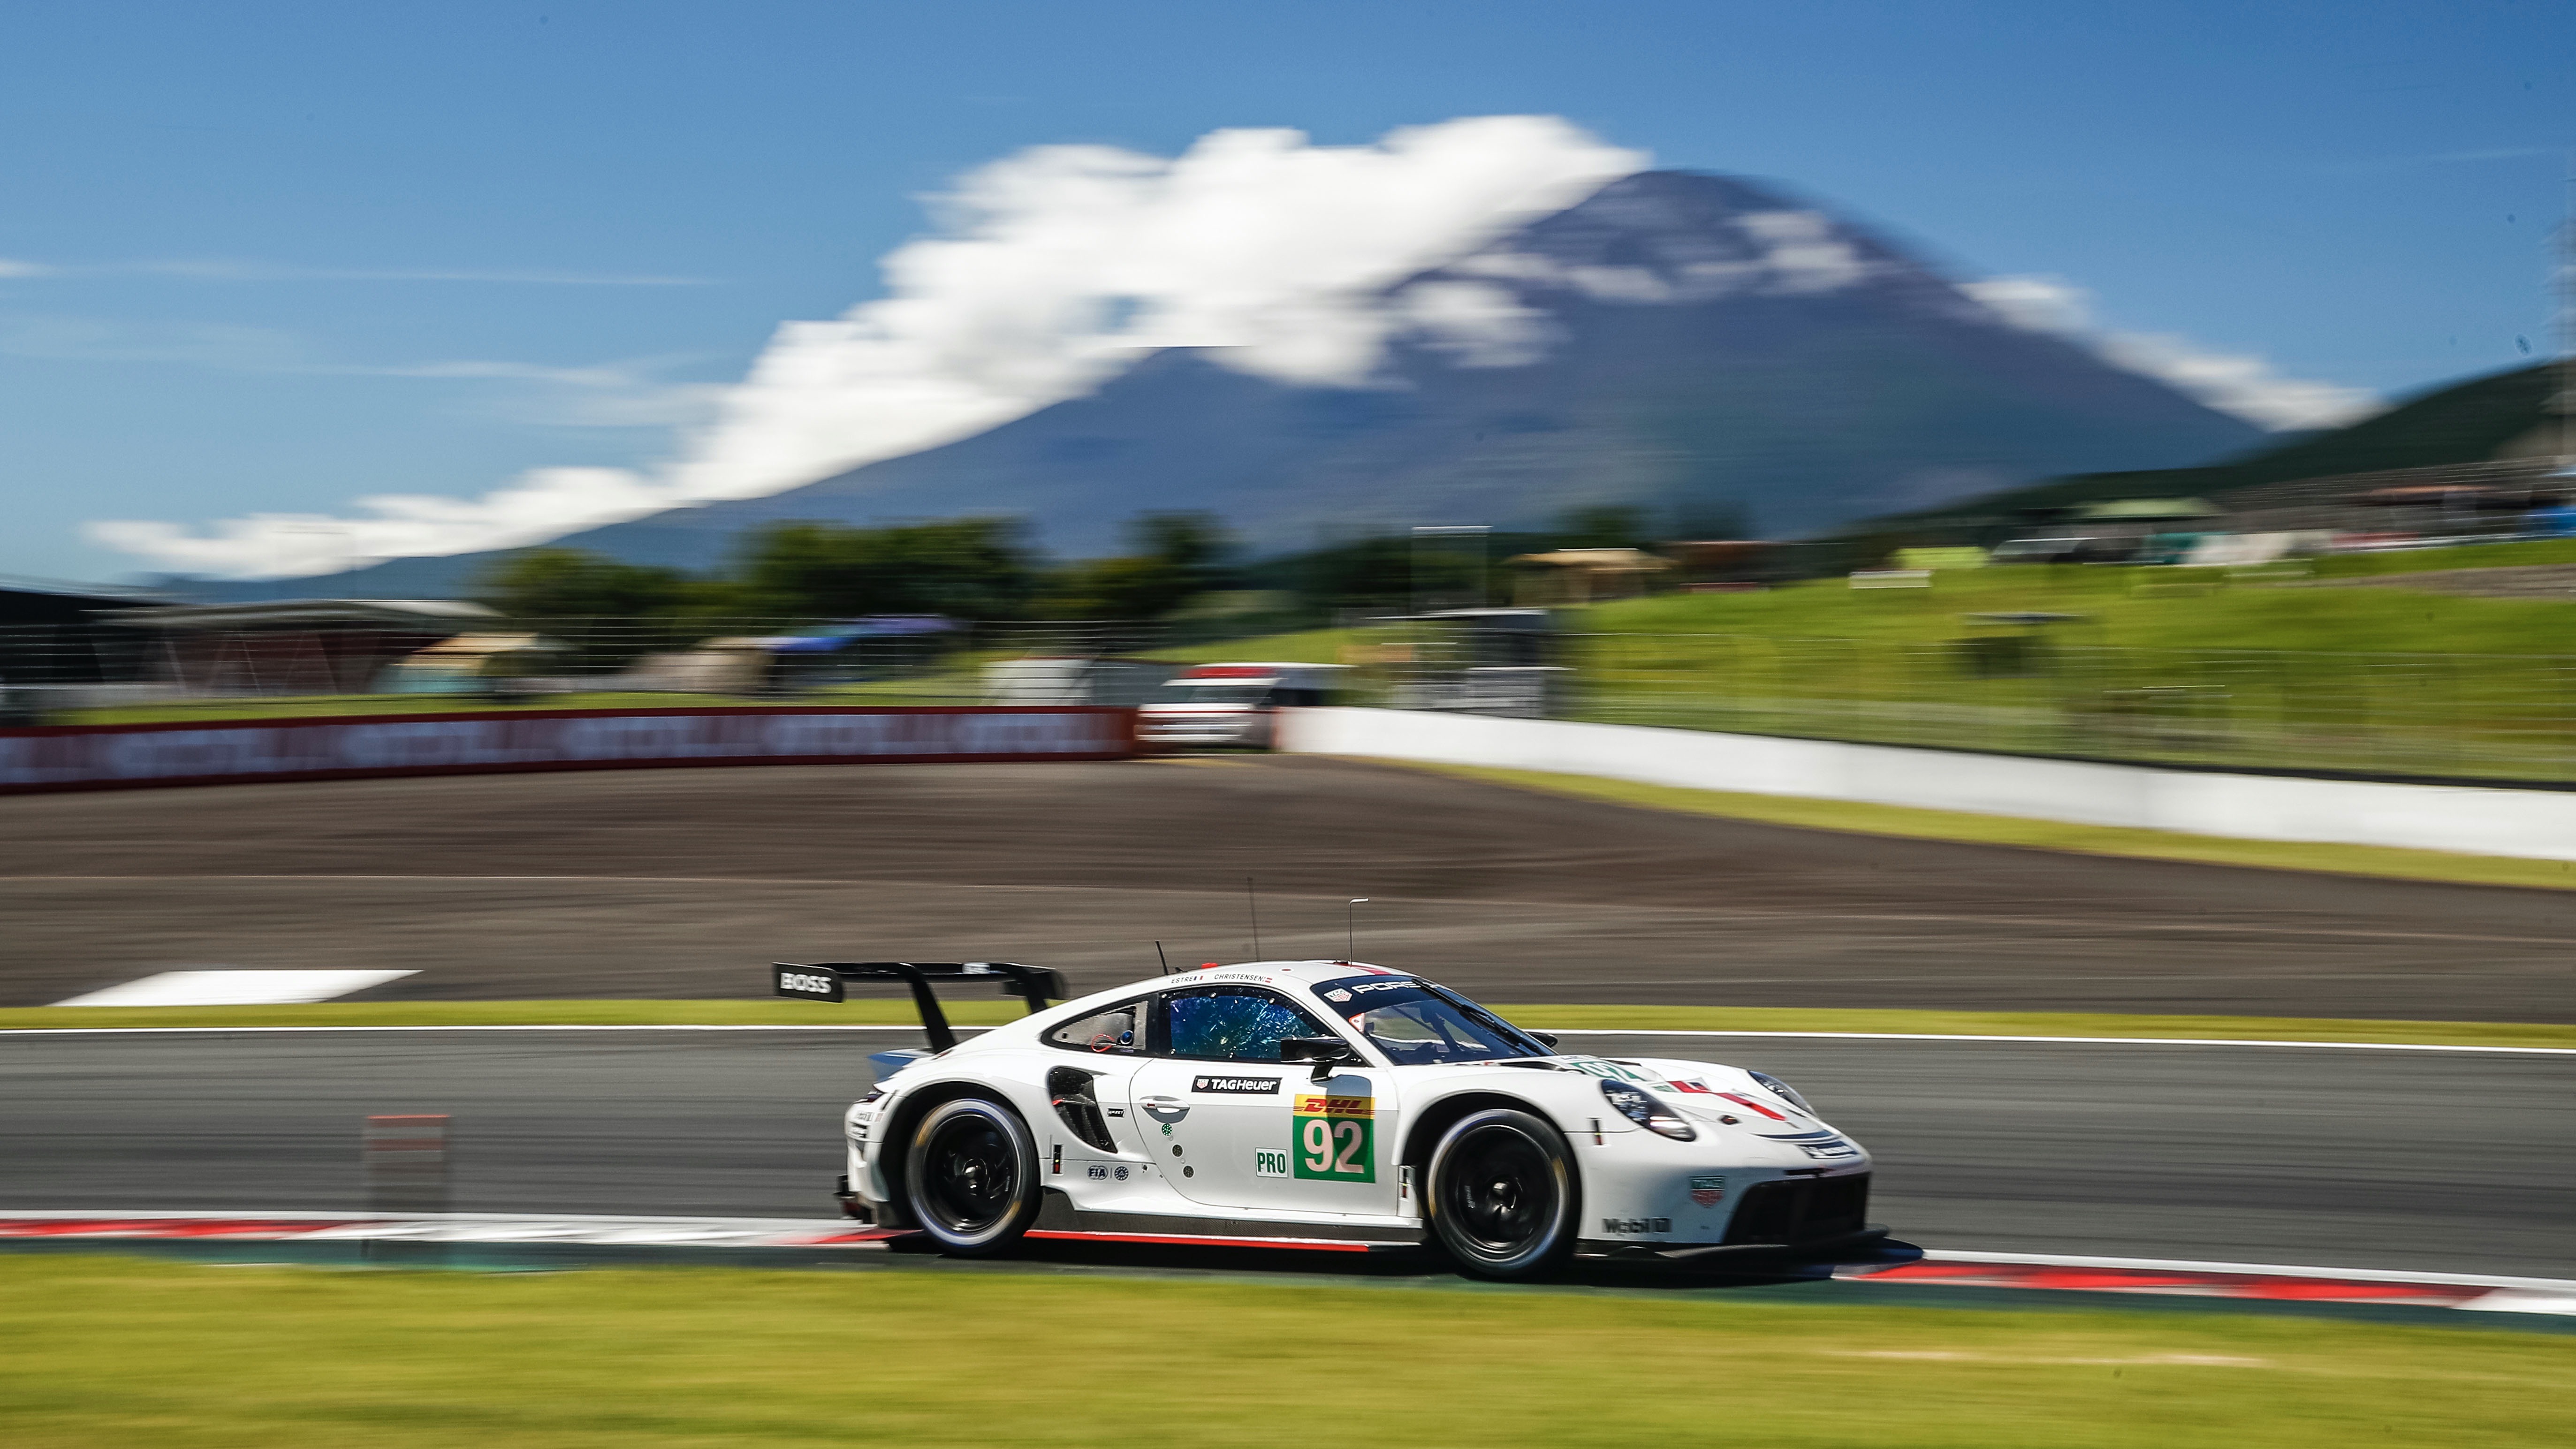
(570,583)
(964,568)
(1175,556)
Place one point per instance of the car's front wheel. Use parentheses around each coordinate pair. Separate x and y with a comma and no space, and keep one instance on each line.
(1503,1195)
(971,1176)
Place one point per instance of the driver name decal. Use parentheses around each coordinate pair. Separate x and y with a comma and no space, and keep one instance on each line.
(1334,1139)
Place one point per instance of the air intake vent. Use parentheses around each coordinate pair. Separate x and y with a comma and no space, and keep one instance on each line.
(1801,1211)
(1069,1089)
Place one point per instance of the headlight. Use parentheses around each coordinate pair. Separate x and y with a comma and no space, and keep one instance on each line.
(1646,1110)
(1783,1091)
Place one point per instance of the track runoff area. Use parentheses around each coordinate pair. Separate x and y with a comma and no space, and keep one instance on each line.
(2031,1169)
(2223,1173)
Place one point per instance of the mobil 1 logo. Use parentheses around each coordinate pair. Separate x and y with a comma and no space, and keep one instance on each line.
(1334,1138)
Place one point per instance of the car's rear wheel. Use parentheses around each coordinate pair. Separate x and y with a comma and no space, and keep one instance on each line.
(1503,1195)
(971,1176)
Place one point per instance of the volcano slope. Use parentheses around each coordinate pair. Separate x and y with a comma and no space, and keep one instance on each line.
(683,883)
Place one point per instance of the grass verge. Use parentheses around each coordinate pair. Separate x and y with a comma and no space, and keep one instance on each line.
(103,1350)
(1571,1017)
(2370,860)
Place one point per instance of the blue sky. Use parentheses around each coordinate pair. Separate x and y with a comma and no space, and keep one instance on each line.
(271,258)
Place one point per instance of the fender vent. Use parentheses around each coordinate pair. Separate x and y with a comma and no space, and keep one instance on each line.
(1069,1091)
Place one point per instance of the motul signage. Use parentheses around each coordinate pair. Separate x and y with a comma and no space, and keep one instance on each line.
(71,758)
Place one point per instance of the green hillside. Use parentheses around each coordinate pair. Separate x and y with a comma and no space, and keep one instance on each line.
(2465,422)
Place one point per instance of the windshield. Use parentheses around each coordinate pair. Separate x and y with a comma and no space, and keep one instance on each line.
(1416,1023)
(1229,691)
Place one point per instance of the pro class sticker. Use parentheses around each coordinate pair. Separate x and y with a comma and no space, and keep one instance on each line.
(1236,1086)
(1335,1138)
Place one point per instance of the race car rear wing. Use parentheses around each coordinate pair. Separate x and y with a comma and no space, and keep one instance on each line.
(823,981)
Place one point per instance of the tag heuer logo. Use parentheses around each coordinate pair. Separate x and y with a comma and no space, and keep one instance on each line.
(1707,1190)
(1236,1086)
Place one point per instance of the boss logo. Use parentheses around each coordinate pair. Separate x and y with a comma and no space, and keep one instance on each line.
(807,983)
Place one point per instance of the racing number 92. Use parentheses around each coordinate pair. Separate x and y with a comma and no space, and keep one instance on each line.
(1336,1138)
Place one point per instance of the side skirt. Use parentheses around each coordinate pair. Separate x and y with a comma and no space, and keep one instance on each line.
(1058,1218)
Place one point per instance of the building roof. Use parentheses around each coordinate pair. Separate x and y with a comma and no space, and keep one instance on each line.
(425,615)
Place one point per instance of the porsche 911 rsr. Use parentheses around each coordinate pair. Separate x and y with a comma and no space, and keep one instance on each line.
(1329,1104)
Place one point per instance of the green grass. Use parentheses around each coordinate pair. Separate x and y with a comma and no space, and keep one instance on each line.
(2146,608)
(103,1350)
(1903,820)
(1542,1015)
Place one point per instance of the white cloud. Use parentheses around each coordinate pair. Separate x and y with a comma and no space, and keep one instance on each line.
(1050,271)
(1477,323)
(9,268)
(393,525)
(2238,383)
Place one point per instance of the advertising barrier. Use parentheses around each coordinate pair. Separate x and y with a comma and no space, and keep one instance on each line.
(233,751)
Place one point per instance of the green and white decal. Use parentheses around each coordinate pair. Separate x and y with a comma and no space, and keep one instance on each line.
(1335,1138)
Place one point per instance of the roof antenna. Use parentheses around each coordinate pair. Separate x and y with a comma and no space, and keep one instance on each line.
(1166,961)
(1350,928)
(1252,903)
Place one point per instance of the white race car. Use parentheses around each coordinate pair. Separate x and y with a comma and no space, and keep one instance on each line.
(1329,1105)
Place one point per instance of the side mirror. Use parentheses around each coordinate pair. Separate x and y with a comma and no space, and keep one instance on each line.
(1326,1052)
(1545,1038)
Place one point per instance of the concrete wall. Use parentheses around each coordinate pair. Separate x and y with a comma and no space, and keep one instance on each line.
(2540,824)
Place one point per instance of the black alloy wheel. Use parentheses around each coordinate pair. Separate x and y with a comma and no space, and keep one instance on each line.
(971,1177)
(1503,1197)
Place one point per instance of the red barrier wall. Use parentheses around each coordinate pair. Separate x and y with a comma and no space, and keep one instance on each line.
(232,751)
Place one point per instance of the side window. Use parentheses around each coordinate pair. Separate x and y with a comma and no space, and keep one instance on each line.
(1233,1024)
(1120,1029)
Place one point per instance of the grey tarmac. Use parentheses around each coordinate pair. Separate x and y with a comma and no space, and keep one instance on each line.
(680,883)
(2424,1161)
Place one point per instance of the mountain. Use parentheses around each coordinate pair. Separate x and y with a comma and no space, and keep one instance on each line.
(2499,416)
(1708,347)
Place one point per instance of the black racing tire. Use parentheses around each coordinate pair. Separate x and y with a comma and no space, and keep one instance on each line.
(971,1176)
(1504,1199)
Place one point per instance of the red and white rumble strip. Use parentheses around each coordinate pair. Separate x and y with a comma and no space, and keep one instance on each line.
(636,1232)
(2270,1281)
(1938,1267)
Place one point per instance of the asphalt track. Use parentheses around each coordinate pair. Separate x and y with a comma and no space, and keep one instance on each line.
(682,882)
(2428,1161)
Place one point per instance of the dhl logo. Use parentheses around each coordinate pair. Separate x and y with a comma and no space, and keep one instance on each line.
(1314,1106)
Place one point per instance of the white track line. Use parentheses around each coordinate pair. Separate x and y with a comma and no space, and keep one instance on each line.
(2190,1041)
(2535,1295)
(2266,1270)
(2163,1041)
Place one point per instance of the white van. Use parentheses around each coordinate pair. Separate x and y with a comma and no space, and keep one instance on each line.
(1230,704)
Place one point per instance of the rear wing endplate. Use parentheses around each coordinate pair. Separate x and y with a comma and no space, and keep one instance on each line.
(824,980)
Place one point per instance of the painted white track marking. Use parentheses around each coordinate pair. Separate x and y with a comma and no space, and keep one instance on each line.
(2473,1292)
(2153,1041)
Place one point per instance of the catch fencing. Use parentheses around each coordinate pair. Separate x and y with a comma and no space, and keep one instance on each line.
(108,672)
(2501,718)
